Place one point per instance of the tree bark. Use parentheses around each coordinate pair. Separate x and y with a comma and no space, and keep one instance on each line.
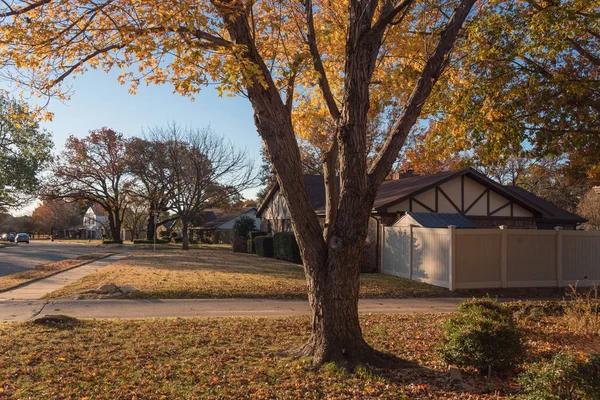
(150,228)
(185,245)
(114,224)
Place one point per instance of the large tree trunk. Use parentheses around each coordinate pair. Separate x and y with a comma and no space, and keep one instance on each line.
(114,224)
(185,245)
(333,297)
(150,228)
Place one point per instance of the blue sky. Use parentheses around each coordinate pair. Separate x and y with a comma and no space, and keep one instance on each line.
(99,100)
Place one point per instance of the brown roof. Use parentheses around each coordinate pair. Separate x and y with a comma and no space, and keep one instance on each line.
(395,191)
(315,188)
(213,217)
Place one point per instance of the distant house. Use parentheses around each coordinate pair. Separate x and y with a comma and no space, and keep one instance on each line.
(217,224)
(93,226)
(467,193)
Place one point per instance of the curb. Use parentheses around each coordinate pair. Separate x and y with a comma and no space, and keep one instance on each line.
(56,273)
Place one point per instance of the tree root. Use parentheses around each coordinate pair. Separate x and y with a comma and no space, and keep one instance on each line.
(349,357)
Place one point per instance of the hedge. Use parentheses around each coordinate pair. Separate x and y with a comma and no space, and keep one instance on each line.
(286,248)
(264,246)
(251,236)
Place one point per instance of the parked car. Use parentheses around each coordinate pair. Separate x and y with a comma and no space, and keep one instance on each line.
(22,237)
(8,237)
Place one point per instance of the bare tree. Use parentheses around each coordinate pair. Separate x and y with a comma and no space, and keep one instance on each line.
(135,216)
(589,208)
(202,170)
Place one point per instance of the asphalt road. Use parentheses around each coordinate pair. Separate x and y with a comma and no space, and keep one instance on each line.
(24,256)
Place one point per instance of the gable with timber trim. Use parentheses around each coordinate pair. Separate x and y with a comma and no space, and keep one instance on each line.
(465,196)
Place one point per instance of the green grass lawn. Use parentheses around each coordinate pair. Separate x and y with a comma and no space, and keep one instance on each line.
(241,358)
(220,273)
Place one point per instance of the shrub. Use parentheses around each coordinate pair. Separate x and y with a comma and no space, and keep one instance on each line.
(110,241)
(178,240)
(251,236)
(563,377)
(286,248)
(243,225)
(482,334)
(164,234)
(264,246)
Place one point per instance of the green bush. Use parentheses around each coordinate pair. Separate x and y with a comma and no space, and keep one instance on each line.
(177,239)
(243,225)
(251,236)
(164,234)
(110,241)
(264,246)
(286,248)
(563,377)
(482,334)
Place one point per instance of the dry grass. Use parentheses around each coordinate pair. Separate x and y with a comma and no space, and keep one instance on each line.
(42,271)
(214,273)
(239,358)
(582,310)
(72,241)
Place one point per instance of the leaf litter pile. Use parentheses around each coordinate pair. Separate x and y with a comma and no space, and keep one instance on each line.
(239,358)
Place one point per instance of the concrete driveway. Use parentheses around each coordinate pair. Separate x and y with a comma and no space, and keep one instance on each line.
(21,257)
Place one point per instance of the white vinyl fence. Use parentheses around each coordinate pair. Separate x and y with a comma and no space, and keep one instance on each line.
(491,258)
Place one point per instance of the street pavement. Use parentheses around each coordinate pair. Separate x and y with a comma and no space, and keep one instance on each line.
(19,310)
(21,257)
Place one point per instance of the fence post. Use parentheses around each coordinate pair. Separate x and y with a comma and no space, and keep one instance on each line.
(382,250)
(504,256)
(451,257)
(410,252)
(559,258)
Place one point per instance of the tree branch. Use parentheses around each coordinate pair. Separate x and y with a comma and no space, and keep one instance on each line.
(388,14)
(318,62)
(25,9)
(397,135)
(85,59)
(584,53)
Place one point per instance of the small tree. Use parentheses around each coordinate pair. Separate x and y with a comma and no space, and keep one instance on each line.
(135,217)
(243,226)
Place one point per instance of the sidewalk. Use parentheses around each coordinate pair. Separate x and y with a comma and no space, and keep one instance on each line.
(37,289)
(19,310)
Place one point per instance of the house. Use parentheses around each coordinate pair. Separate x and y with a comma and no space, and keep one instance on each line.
(217,224)
(467,192)
(93,226)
